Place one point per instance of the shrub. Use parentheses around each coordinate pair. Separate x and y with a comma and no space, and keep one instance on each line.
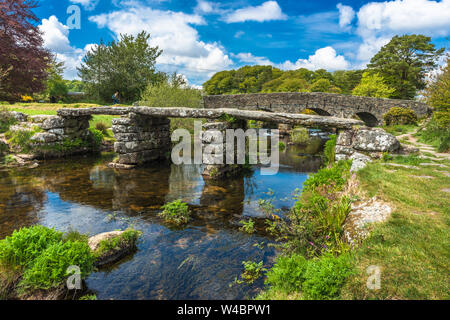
(248,226)
(97,138)
(25,245)
(326,276)
(437,131)
(281,146)
(334,175)
(171,95)
(396,116)
(330,149)
(288,273)
(21,138)
(6,120)
(102,127)
(300,136)
(176,212)
(252,271)
(49,269)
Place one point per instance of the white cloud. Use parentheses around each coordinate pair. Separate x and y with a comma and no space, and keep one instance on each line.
(87,4)
(346,15)
(251,59)
(173,33)
(207,7)
(324,58)
(378,22)
(268,11)
(56,39)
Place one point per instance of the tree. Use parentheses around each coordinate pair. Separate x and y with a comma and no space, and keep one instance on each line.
(347,80)
(23,60)
(127,66)
(404,62)
(321,85)
(373,85)
(55,86)
(437,92)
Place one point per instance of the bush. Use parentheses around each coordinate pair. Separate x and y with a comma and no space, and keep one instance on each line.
(25,245)
(6,120)
(288,273)
(335,175)
(102,127)
(300,136)
(171,95)
(397,116)
(97,138)
(176,212)
(21,138)
(437,131)
(49,270)
(330,149)
(326,276)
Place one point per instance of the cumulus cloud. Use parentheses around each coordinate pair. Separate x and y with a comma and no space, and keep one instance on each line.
(56,39)
(346,15)
(379,21)
(251,59)
(207,7)
(324,58)
(268,11)
(173,33)
(87,4)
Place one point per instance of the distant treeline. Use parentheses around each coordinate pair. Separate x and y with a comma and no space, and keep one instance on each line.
(266,79)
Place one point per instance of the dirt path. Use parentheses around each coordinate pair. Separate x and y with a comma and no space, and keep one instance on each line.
(423,147)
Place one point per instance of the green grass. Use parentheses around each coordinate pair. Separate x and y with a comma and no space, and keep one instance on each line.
(400,129)
(412,247)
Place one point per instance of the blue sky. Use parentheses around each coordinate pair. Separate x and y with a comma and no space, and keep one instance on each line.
(202,37)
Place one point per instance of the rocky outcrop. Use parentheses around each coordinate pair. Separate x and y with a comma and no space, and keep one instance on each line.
(364,144)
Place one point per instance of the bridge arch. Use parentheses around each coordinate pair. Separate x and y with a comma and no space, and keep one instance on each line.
(368,118)
(321,112)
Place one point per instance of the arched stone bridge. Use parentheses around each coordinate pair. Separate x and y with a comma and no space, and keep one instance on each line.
(370,110)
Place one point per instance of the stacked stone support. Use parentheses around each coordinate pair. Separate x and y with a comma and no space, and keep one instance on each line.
(141,138)
(215,166)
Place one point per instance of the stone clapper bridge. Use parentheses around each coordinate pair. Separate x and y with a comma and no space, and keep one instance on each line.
(143,133)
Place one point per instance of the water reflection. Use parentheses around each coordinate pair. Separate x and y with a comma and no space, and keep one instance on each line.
(197,262)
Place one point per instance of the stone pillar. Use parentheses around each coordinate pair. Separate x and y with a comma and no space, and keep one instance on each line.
(212,170)
(141,139)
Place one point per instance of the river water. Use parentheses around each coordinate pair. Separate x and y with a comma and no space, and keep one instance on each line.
(199,261)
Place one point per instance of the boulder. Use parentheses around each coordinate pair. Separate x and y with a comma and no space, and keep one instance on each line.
(19,116)
(345,138)
(44,137)
(375,140)
(53,122)
(359,161)
(114,254)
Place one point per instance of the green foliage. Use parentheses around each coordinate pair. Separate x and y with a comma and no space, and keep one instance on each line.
(49,269)
(288,273)
(437,92)
(326,276)
(398,116)
(372,85)
(6,120)
(9,159)
(97,137)
(128,238)
(300,136)
(102,127)
(335,175)
(282,146)
(411,160)
(437,132)
(21,138)
(26,244)
(330,149)
(171,93)
(347,80)
(404,62)
(252,271)
(88,297)
(176,212)
(127,66)
(248,226)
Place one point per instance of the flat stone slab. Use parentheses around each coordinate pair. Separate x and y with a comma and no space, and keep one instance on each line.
(446,190)
(286,118)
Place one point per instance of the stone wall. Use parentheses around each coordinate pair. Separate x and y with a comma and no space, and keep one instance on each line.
(141,138)
(343,106)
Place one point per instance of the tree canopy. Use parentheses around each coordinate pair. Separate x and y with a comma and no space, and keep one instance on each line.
(23,60)
(437,92)
(127,66)
(373,85)
(404,62)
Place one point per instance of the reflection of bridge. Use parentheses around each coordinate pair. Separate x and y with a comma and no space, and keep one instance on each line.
(370,110)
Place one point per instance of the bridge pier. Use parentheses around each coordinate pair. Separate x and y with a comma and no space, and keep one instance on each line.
(141,138)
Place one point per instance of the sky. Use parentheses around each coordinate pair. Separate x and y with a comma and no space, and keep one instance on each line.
(200,38)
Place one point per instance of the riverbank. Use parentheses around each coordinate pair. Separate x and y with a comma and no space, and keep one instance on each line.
(410,249)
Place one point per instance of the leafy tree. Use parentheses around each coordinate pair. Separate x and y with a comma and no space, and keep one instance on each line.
(347,80)
(55,86)
(437,92)
(321,85)
(75,85)
(293,85)
(23,60)
(373,85)
(404,62)
(127,66)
